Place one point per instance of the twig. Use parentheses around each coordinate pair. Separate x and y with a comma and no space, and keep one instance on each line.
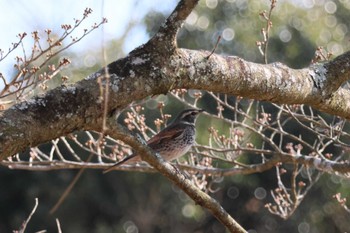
(25,223)
(215,46)
(58,226)
(266,31)
(28,72)
(342,202)
(69,188)
(14,46)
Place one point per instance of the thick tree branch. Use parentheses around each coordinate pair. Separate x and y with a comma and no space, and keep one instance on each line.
(168,31)
(152,69)
(273,82)
(145,72)
(338,72)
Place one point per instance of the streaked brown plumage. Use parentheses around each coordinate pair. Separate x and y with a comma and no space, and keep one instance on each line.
(173,141)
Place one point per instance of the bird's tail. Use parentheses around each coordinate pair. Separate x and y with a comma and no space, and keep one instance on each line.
(119,163)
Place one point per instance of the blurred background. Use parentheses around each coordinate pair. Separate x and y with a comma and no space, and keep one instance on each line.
(142,202)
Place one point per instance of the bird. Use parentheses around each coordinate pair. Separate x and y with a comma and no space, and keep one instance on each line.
(172,142)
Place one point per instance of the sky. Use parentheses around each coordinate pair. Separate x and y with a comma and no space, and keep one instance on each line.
(26,16)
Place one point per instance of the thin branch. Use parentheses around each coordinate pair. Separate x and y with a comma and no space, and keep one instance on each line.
(14,46)
(215,46)
(25,223)
(28,76)
(58,226)
(69,188)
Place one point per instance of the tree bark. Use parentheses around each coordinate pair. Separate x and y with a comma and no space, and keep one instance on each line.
(148,71)
(158,67)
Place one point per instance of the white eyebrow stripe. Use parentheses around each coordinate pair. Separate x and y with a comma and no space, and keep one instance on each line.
(187,123)
(186,114)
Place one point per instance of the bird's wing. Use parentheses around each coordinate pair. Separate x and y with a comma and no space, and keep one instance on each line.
(168,133)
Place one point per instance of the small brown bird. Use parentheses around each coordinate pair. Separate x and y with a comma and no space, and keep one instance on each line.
(173,141)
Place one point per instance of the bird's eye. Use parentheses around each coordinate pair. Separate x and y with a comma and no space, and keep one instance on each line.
(193,113)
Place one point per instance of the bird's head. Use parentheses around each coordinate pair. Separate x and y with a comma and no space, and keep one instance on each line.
(188,115)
